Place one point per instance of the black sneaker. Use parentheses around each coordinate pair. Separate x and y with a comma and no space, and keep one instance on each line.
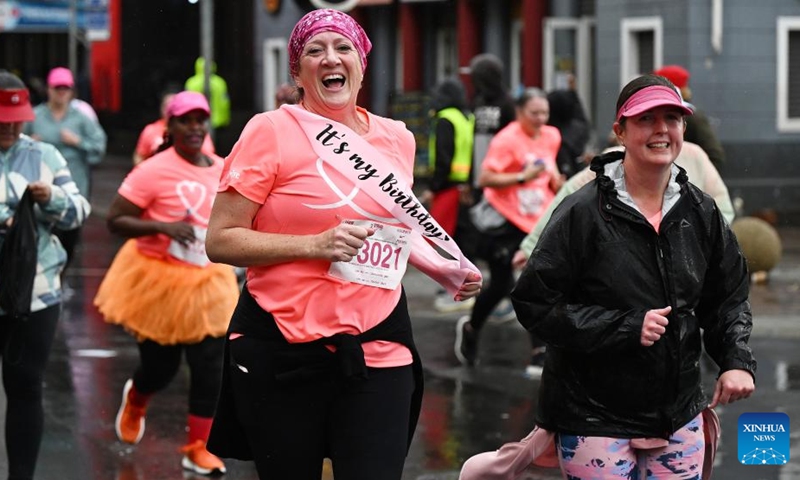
(466,347)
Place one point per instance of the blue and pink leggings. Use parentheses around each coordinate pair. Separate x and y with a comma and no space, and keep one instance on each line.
(596,458)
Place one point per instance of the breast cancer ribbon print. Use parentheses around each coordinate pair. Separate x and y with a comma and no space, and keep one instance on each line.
(343,149)
(192,195)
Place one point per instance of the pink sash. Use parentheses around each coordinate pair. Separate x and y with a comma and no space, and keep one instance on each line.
(352,156)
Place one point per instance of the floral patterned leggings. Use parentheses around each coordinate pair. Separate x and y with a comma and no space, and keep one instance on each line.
(596,458)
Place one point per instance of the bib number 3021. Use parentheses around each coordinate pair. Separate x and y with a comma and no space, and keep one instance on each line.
(381,261)
(379,254)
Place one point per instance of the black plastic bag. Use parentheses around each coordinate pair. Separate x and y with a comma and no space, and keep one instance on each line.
(18,260)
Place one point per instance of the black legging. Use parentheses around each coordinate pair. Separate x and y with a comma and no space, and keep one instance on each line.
(159,364)
(291,425)
(26,348)
(69,240)
(498,252)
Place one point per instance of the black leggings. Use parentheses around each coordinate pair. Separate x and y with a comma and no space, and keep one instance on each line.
(159,364)
(26,348)
(498,252)
(361,425)
(69,240)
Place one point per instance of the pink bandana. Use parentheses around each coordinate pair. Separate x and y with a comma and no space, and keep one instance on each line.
(326,20)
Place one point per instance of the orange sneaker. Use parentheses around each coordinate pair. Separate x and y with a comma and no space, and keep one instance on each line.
(130,418)
(199,460)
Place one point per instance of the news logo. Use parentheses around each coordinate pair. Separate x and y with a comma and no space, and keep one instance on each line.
(763,438)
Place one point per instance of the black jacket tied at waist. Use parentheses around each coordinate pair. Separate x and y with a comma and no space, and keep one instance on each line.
(304,362)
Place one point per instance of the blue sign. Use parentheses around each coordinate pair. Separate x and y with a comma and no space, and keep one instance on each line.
(53,16)
(763,438)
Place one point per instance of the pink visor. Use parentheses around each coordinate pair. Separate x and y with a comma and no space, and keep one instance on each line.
(15,106)
(185,102)
(652,97)
(60,77)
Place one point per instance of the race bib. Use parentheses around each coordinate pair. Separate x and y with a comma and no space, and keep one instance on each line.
(193,253)
(530,200)
(382,260)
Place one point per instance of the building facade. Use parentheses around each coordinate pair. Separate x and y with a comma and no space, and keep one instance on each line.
(744,59)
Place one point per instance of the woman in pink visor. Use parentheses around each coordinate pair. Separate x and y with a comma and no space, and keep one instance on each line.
(627,274)
(315,200)
(161,286)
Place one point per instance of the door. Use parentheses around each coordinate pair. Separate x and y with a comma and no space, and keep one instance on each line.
(569,57)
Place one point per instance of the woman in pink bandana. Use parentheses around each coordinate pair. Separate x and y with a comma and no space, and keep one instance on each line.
(628,273)
(315,201)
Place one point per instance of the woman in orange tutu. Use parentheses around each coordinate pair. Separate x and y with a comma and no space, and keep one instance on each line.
(161,286)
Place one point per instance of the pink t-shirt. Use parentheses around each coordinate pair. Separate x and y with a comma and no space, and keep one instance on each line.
(273,164)
(170,189)
(510,151)
(152,137)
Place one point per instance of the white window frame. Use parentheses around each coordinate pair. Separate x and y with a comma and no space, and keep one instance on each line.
(582,28)
(275,69)
(446,52)
(515,64)
(785,123)
(629,47)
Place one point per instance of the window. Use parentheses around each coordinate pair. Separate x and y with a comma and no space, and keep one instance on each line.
(640,47)
(446,53)
(515,64)
(788,76)
(275,70)
(568,50)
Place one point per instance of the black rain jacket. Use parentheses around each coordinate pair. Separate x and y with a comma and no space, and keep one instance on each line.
(597,269)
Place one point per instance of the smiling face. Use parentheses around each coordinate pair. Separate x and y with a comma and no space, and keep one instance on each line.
(533,114)
(330,73)
(653,137)
(9,134)
(188,132)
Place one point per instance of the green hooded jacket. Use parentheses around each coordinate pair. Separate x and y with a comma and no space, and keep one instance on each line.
(219,102)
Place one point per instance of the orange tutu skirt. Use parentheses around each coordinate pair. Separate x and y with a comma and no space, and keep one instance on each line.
(167,303)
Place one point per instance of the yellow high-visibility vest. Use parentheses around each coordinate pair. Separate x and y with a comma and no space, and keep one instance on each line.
(464,127)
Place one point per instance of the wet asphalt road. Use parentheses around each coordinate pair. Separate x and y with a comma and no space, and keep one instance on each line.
(465,411)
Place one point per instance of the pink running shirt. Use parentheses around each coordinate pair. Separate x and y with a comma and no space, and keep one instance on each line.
(273,164)
(509,152)
(169,189)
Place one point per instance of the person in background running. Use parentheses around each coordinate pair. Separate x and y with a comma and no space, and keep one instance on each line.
(25,343)
(519,178)
(78,138)
(493,107)
(161,286)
